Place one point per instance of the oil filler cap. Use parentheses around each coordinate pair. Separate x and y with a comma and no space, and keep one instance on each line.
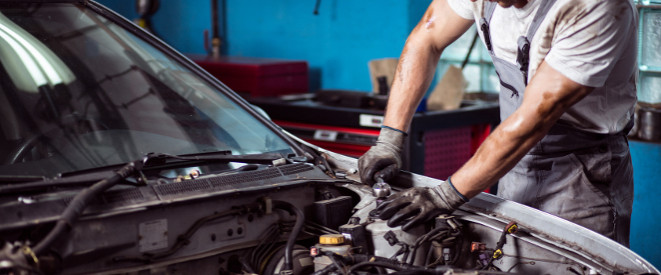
(331,239)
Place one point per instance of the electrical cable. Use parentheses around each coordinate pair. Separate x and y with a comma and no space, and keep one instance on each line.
(422,239)
(428,257)
(458,245)
(375,264)
(246,266)
(300,220)
(326,270)
(184,239)
(28,269)
(380,270)
(79,203)
(337,264)
(404,249)
(443,233)
(267,235)
(320,228)
(267,252)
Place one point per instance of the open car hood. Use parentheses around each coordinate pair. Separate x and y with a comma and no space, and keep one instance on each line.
(550,244)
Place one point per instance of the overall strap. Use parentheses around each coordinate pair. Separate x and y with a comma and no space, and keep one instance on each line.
(544,7)
(489,8)
(523,53)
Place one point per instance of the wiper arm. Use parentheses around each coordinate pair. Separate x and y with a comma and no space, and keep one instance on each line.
(157,161)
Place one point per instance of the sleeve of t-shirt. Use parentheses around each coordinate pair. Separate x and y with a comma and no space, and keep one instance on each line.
(461,8)
(589,39)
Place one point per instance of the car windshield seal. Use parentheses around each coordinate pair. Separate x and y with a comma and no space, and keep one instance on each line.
(150,162)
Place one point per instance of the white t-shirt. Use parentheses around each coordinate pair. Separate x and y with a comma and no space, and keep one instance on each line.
(592,42)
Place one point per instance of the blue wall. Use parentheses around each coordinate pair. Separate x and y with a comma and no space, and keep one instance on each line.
(645,221)
(337,43)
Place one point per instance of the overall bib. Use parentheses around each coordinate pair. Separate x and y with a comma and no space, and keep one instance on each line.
(583,177)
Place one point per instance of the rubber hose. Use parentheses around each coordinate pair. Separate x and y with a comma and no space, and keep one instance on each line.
(78,205)
(326,270)
(300,220)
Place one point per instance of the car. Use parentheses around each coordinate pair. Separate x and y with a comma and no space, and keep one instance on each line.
(122,156)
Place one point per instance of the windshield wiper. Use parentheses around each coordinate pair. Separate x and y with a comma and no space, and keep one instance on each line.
(150,162)
(158,161)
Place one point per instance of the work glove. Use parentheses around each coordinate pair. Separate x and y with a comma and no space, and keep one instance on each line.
(383,159)
(417,205)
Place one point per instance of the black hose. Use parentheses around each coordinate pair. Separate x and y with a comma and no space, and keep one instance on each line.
(337,264)
(78,205)
(246,266)
(300,220)
(380,270)
(268,235)
(419,242)
(326,270)
(430,253)
(376,264)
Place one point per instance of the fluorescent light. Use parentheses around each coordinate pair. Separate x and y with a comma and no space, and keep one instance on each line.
(28,61)
(53,77)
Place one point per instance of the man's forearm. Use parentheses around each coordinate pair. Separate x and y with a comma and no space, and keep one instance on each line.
(414,74)
(546,98)
(498,154)
(439,27)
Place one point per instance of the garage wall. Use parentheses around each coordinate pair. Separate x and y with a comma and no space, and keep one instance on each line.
(337,43)
(645,222)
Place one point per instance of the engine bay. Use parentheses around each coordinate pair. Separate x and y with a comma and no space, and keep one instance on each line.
(291,218)
(227,191)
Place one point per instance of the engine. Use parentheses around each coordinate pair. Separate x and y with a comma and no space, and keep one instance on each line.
(286,219)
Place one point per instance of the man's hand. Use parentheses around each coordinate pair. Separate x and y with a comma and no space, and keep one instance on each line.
(417,205)
(384,159)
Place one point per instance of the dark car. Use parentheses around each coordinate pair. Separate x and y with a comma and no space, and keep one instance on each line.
(121,156)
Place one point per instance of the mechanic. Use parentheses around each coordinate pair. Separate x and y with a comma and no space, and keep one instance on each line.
(567,70)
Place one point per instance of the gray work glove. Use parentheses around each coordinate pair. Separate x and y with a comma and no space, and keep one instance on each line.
(384,159)
(417,205)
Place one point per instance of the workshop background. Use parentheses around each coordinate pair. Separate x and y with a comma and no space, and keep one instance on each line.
(338,38)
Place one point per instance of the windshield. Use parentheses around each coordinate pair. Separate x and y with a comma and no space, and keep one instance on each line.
(78,92)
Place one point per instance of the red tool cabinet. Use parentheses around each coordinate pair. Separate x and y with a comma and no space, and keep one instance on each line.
(255,77)
(439,142)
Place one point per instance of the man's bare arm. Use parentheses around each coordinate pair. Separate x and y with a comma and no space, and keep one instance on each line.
(439,27)
(548,95)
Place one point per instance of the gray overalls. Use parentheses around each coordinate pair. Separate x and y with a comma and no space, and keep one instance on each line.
(583,177)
